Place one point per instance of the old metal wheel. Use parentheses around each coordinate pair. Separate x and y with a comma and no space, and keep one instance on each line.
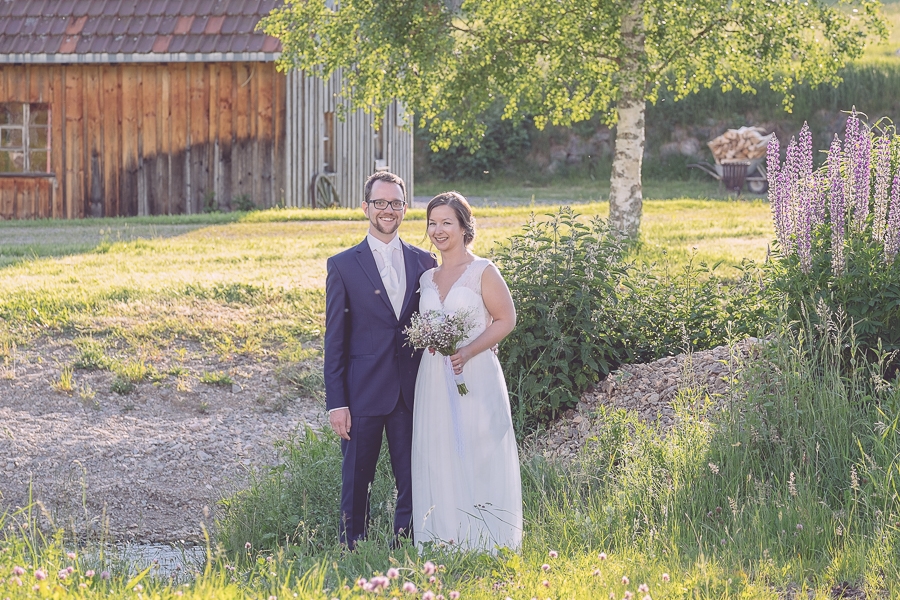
(324,193)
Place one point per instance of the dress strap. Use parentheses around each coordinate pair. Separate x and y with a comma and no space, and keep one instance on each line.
(472,276)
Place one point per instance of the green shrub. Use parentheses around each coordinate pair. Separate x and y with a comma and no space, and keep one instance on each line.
(584,309)
(243,203)
(663,312)
(562,275)
(505,142)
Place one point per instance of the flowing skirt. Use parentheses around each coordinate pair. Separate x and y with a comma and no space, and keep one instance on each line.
(467,489)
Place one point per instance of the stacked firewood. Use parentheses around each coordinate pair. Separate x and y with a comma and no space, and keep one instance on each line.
(746,143)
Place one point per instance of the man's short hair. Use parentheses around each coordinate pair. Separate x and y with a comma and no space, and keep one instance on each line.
(383,176)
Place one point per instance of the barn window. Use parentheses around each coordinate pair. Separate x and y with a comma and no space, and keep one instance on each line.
(328,146)
(24,138)
(380,162)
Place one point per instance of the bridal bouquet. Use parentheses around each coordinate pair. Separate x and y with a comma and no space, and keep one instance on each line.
(441,331)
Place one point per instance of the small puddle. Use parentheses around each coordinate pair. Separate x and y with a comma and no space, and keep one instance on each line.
(176,561)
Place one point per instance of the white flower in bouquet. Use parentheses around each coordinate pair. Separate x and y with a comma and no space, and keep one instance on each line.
(441,331)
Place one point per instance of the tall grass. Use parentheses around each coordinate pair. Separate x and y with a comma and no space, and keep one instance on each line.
(789,487)
(790,484)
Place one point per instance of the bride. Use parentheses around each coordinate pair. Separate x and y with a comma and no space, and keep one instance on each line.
(466,486)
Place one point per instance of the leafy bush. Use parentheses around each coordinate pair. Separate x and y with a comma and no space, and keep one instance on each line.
(505,141)
(838,234)
(243,203)
(562,274)
(664,311)
(584,309)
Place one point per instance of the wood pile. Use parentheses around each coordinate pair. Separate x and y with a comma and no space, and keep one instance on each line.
(746,143)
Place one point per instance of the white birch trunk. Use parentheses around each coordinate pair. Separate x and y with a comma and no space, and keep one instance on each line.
(625,195)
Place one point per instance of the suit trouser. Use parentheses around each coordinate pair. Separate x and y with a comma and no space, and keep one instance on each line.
(358,470)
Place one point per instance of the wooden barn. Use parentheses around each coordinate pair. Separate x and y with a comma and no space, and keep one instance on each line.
(151,107)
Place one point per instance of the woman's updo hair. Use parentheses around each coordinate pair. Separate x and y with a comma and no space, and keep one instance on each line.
(463,211)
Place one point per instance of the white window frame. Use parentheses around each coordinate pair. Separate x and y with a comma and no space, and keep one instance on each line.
(25,128)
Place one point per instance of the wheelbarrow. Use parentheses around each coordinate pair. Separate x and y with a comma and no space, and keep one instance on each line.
(734,173)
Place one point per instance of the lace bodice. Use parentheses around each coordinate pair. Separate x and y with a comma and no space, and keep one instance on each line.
(464,294)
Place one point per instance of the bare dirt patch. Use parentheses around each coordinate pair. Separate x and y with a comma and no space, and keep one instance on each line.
(149,465)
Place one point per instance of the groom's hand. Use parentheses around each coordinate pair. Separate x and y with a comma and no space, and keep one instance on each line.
(340,422)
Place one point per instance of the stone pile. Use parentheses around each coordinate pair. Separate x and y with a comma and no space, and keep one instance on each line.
(649,390)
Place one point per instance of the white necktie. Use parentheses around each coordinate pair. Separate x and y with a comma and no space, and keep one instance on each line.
(391,279)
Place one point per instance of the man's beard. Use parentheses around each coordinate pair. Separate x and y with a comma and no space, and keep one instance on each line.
(381,228)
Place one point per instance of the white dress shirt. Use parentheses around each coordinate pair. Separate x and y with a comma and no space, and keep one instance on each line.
(396,289)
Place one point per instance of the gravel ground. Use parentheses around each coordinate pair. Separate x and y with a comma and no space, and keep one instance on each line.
(151,465)
(649,389)
(148,466)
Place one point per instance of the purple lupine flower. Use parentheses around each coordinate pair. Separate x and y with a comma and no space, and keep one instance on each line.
(882,185)
(782,212)
(805,156)
(862,176)
(804,224)
(773,162)
(773,174)
(794,164)
(804,199)
(785,216)
(851,132)
(819,198)
(892,231)
(837,208)
(857,153)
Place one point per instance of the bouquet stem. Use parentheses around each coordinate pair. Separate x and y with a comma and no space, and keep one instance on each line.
(458,378)
(460,384)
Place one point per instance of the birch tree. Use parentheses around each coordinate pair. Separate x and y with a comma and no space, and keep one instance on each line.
(563,61)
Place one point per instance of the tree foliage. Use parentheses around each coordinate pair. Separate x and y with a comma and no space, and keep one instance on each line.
(561,61)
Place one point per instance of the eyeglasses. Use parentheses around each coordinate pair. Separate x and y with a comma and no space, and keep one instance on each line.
(383,204)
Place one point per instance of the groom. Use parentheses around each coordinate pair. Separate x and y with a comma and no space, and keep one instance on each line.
(371,292)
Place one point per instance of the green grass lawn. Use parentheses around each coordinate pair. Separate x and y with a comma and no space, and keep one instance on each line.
(131,290)
(577,189)
(889,49)
(137,285)
(795,498)
(287,249)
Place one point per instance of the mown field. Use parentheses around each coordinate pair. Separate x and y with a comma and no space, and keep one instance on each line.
(79,275)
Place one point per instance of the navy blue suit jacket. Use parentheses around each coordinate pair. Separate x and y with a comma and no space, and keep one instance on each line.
(367,360)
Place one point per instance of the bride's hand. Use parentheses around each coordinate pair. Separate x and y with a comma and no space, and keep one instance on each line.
(458,360)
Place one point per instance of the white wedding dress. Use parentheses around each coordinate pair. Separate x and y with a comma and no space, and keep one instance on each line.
(467,490)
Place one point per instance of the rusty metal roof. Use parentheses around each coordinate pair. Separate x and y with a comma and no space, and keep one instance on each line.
(101,31)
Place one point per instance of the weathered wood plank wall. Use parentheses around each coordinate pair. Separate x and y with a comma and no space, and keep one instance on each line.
(146,139)
(308,100)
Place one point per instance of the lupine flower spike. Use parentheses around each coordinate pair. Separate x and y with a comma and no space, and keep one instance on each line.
(837,209)
(892,234)
(803,201)
(858,145)
(882,185)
